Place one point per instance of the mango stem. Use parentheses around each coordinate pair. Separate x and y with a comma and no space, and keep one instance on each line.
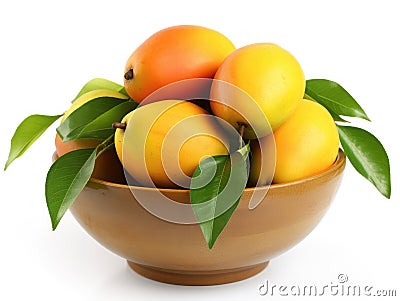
(129,74)
(119,125)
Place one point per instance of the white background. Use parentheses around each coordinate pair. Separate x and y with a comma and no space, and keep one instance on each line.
(49,49)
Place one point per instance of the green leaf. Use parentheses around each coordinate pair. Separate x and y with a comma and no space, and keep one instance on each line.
(245,150)
(90,115)
(215,190)
(336,117)
(100,83)
(101,127)
(334,98)
(29,130)
(123,91)
(368,156)
(65,180)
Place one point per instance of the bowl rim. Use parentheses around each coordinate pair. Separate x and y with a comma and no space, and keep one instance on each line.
(339,162)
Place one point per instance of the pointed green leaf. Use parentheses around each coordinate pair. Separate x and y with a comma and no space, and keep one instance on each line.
(245,150)
(336,117)
(101,127)
(100,83)
(215,190)
(29,130)
(333,97)
(368,156)
(65,180)
(90,114)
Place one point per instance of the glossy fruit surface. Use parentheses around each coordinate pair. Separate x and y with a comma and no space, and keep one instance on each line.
(173,54)
(164,142)
(270,75)
(306,144)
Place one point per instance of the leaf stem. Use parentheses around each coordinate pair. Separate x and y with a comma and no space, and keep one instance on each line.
(104,149)
(242,126)
(105,145)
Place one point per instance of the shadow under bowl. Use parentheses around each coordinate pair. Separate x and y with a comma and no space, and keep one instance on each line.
(178,254)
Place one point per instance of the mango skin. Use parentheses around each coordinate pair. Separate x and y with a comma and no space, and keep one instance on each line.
(306,144)
(173,54)
(167,139)
(270,75)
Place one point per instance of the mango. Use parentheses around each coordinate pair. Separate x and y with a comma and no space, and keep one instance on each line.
(173,54)
(164,142)
(273,80)
(306,144)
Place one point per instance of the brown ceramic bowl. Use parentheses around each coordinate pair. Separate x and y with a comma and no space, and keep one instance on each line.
(177,253)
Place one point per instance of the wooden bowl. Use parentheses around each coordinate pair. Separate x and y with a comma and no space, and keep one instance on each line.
(177,253)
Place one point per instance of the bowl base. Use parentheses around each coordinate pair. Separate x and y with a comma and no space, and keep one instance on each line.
(196,277)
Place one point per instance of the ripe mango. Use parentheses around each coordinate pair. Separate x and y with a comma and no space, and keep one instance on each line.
(173,54)
(164,142)
(306,144)
(273,80)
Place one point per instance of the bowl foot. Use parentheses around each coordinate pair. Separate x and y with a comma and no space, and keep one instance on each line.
(197,277)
